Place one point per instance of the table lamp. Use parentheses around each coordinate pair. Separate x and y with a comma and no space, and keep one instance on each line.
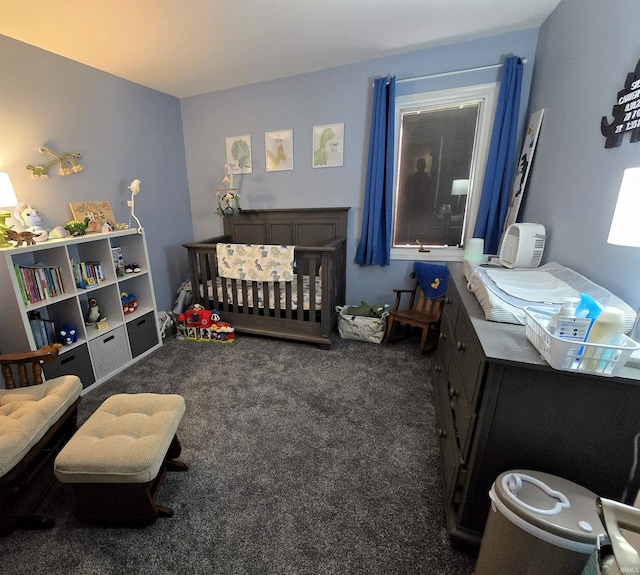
(624,225)
(7,200)
(459,188)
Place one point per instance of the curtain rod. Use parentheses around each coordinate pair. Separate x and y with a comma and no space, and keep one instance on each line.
(441,74)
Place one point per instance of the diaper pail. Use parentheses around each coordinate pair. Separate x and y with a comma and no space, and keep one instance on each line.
(538,524)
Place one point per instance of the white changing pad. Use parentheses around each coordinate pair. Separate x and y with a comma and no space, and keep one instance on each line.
(503,293)
(533,285)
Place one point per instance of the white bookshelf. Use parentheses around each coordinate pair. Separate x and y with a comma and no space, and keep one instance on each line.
(98,354)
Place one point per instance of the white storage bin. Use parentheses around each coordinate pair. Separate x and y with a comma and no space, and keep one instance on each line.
(606,360)
(360,327)
(110,352)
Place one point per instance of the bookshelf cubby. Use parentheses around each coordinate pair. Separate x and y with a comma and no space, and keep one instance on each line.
(55,281)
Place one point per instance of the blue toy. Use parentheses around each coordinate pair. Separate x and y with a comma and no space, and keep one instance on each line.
(67,334)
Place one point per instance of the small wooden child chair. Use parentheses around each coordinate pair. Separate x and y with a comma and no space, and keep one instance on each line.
(425,301)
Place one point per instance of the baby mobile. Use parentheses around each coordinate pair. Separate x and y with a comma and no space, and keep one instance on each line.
(228,197)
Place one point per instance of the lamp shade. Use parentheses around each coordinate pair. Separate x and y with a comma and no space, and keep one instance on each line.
(625,230)
(460,188)
(7,195)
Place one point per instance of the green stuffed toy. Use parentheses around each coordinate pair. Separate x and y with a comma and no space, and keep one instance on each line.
(76,228)
(366,310)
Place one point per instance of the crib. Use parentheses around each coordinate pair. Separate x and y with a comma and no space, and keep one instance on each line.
(303,309)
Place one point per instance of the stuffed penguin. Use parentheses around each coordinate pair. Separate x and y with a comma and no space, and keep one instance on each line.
(93,315)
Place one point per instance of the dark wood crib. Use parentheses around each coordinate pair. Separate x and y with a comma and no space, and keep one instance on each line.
(269,308)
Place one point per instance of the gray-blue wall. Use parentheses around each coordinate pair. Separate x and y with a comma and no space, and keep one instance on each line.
(338,95)
(586,48)
(584,51)
(124,131)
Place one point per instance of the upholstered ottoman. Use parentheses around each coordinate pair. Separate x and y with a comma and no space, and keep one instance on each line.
(117,460)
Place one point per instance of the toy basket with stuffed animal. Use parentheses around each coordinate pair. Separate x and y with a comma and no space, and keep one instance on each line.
(370,328)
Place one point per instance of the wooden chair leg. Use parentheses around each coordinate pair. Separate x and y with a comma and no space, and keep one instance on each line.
(389,327)
(423,340)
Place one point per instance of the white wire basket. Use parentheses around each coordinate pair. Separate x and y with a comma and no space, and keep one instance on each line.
(582,357)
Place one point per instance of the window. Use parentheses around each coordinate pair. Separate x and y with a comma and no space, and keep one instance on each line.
(442,142)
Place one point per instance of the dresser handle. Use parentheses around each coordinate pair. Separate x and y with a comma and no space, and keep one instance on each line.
(443,336)
(437,368)
(460,346)
(453,392)
(442,433)
(447,301)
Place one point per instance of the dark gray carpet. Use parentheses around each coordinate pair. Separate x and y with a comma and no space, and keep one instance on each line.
(301,461)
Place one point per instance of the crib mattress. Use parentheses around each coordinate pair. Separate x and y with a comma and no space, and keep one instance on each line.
(503,293)
(271,287)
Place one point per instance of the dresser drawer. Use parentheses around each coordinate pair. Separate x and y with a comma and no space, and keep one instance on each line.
(446,434)
(445,347)
(451,306)
(463,416)
(469,359)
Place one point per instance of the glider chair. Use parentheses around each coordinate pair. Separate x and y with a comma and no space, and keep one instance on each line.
(37,417)
(425,301)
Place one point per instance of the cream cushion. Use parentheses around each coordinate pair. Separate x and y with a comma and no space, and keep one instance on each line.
(124,441)
(27,413)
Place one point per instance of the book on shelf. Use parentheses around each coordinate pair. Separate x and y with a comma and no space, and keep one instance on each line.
(44,330)
(39,282)
(88,275)
(118,261)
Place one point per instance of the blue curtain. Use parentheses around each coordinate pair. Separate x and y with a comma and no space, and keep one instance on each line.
(375,241)
(496,189)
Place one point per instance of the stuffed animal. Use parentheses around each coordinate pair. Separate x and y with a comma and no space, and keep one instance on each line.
(67,334)
(94,315)
(76,228)
(31,220)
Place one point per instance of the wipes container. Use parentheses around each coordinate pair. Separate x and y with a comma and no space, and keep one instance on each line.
(538,524)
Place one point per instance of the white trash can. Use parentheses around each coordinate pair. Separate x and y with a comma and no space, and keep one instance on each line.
(538,524)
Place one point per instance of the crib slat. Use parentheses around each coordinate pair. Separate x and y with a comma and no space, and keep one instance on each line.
(265,298)
(300,296)
(288,300)
(234,294)
(214,300)
(312,288)
(276,298)
(245,297)
(255,310)
(223,304)
(205,272)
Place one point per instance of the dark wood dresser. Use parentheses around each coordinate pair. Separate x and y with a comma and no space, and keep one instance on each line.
(500,406)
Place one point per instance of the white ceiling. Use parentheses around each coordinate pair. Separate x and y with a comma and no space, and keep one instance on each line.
(189,47)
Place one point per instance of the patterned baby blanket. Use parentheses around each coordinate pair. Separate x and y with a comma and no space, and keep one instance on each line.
(264,263)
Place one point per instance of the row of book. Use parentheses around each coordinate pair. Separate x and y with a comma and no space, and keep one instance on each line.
(44,330)
(38,282)
(87,274)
